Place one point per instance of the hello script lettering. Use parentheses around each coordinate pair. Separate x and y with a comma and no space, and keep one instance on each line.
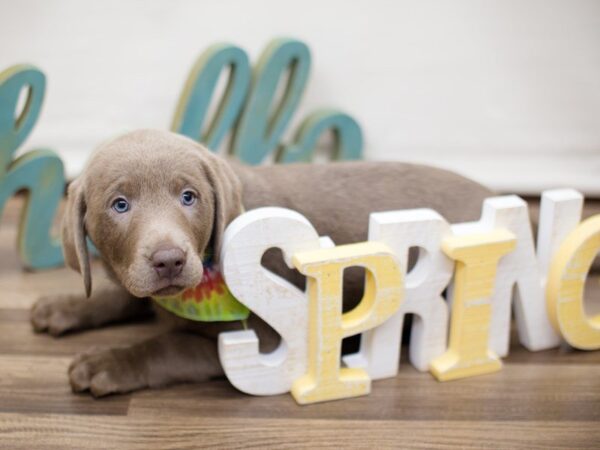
(252,109)
(464,335)
(38,172)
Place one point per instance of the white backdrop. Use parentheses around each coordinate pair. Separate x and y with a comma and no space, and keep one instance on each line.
(507,92)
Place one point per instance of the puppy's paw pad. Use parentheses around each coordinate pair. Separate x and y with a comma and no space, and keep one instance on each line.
(102,372)
(79,377)
(85,366)
(55,315)
(39,314)
(103,384)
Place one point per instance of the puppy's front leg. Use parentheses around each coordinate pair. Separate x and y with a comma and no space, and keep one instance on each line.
(58,314)
(173,357)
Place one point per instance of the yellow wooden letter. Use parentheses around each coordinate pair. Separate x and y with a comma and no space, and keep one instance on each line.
(383,294)
(566,283)
(477,257)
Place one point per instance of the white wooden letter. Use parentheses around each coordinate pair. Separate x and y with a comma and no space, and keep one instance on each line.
(380,347)
(276,301)
(560,213)
(518,268)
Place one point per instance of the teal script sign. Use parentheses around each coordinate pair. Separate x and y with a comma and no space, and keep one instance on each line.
(38,172)
(252,110)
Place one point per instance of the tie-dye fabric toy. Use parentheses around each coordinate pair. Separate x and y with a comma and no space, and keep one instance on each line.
(210,301)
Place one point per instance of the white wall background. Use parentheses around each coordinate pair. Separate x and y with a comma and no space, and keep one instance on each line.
(507,92)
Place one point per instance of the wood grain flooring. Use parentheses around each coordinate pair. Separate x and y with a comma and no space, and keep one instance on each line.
(549,399)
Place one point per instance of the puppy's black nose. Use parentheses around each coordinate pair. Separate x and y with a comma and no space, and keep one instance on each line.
(168,262)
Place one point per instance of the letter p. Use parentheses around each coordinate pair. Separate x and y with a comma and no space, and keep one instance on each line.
(383,293)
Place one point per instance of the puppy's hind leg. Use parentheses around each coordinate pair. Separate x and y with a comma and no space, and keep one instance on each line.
(58,314)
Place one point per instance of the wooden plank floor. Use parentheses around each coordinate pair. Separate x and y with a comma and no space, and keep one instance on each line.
(549,399)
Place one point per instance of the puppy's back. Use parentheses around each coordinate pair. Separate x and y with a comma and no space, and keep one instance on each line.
(337,198)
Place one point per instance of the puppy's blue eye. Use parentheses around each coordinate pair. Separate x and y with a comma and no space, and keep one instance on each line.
(188,198)
(120,205)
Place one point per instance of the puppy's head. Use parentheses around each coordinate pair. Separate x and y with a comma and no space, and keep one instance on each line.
(154,204)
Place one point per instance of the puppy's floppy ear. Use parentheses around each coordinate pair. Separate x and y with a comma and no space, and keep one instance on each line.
(227,191)
(74,234)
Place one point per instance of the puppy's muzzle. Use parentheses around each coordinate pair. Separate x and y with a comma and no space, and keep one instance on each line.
(168,262)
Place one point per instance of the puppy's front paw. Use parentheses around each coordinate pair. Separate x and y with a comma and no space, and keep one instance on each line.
(106,371)
(56,314)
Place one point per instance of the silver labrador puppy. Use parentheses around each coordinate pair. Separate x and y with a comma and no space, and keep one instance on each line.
(154,203)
